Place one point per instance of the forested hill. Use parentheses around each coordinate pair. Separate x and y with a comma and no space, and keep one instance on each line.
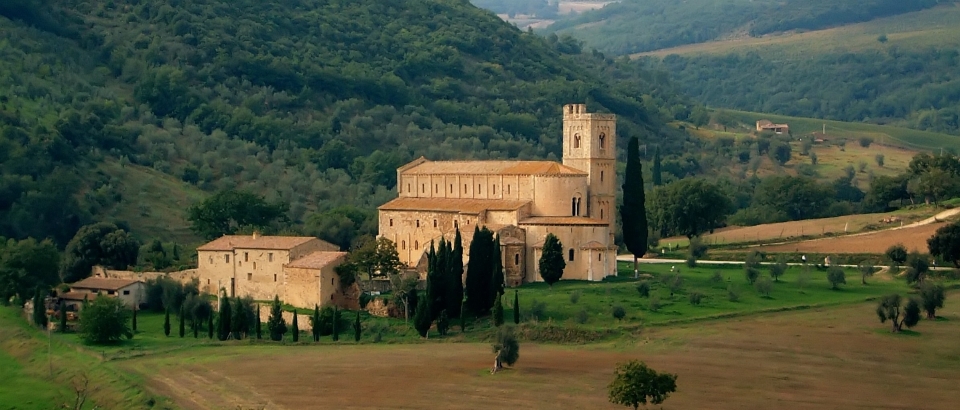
(311,102)
(633,26)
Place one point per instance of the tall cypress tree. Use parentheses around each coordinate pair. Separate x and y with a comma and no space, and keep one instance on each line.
(166,322)
(315,323)
(258,324)
(516,307)
(498,312)
(134,318)
(63,318)
(210,326)
(657,181)
(223,320)
(295,328)
(422,319)
(336,322)
(480,273)
(238,319)
(498,279)
(633,211)
(39,310)
(454,282)
(356,328)
(551,260)
(182,324)
(435,271)
(276,325)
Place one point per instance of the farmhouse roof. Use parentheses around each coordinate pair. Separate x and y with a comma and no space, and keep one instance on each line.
(103,283)
(424,167)
(472,206)
(562,220)
(317,260)
(80,296)
(231,242)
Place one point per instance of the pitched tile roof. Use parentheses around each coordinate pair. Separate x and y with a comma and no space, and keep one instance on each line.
(424,167)
(317,260)
(103,283)
(562,220)
(231,242)
(471,206)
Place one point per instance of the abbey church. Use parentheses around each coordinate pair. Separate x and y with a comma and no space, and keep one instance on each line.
(520,201)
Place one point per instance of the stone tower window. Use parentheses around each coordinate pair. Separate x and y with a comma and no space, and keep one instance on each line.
(464,188)
(601,176)
(436,188)
(211,260)
(576,140)
(599,257)
(391,221)
(516,259)
(249,276)
(403,245)
(479,188)
(494,189)
(254,265)
(571,255)
(408,187)
(418,223)
(270,255)
(226,258)
(434,223)
(508,189)
(423,187)
(274,277)
(246,257)
(451,188)
(601,213)
(602,138)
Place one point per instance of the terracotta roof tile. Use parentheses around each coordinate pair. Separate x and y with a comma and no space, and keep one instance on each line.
(317,260)
(231,242)
(471,206)
(103,283)
(562,220)
(489,168)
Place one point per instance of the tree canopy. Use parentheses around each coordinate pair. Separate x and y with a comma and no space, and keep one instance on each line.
(98,244)
(229,211)
(688,207)
(633,211)
(551,262)
(104,320)
(634,384)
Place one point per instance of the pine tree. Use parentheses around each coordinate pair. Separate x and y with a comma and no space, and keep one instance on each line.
(422,319)
(336,322)
(498,312)
(295,328)
(657,177)
(356,328)
(276,325)
(166,323)
(315,323)
(480,273)
(182,324)
(551,260)
(210,326)
(516,308)
(633,212)
(454,282)
(223,320)
(257,323)
(135,318)
(63,318)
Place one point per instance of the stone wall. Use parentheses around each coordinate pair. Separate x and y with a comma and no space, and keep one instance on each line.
(183,276)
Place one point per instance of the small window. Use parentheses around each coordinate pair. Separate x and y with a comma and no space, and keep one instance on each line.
(416,245)
(246,257)
(331,296)
(601,213)
(599,257)
(270,257)
(109,292)
(494,189)
(408,187)
(478,188)
(208,281)
(211,260)
(418,223)
(331,281)
(602,138)
(571,255)
(601,176)
(226,258)
(516,259)
(275,276)
(434,223)
(576,141)
(249,276)
(391,221)
(508,189)
(436,189)
(403,244)
(456,224)
(451,188)
(126,292)
(254,266)
(423,187)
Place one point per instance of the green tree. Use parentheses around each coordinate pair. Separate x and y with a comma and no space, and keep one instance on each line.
(276,324)
(63,318)
(357,329)
(135,319)
(836,276)
(39,310)
(657,173)
(779,268)
(633,210)
(422,319)
(688,207)
(229,211)
(932,296)
(166,323)
(315,323)
(897,255)
(945,243)
(551,260)
(507,348)
(335,325)
(781,152)
(454,293)
(891,308)
(182,320)
(223,320)
(104,321)
(634,384)
(210,326)
(295,328)
(498,312)
(27,266)
(866,269)
(619,313)
(917,267)
(257,324)
(799,197)
(98,244)
(516,307)
(479,283)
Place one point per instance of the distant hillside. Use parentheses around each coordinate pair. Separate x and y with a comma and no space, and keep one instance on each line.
(632,26)
(311,102)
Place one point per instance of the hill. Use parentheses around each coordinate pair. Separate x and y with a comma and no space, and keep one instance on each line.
(313,103)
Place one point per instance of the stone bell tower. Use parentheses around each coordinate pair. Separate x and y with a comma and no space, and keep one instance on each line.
(590,145)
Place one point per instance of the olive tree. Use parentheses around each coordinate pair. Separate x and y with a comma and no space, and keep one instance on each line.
(634,384)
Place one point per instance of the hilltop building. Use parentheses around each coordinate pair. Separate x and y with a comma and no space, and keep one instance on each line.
(766,125)
(300,270)
(521,201)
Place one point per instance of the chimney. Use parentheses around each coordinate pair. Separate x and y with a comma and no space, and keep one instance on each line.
(256,234)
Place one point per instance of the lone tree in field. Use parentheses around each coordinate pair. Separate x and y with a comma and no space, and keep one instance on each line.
(890,308)
(104,321)
(506,347)
(276,324)
(897,255)
(633,211)
(551,260)
(866,269)
(634,384)
(932,296)
(778,269)
(836,277)
(945,243)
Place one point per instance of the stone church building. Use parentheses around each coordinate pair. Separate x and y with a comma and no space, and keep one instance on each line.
(521,201)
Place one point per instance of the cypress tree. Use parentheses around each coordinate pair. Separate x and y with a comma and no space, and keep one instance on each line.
(633,212)
(257,323)
(463,315)
(551,260)
(336,322)
(498,280)
(498,312)
(182,324)
(134,318)
(223,320)
(238,319)
(516,307)
(657,181)
(356,328)
(63,318)
(195,324)
(315,323)
(276,325)
(435,265)
(166,323)
(480,273)
(39,310)
(210,326)
(422,319)
(296,328)
(454,281)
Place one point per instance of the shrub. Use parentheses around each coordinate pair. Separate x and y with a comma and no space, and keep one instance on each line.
(752,274)
(695,298)
(836,276)
(717,278)
(104,321)
(581,316)
(865,141)
(675,284)
(732,294)
(619,313)
(764,286)
(654,304)
(575,296)
(879,159)
(506,346)
(537,311)
(644,288)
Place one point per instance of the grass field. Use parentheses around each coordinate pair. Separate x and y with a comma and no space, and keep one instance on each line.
(932,27)
(20,390)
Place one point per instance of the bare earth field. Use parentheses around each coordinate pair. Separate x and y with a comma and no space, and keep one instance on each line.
(838,358)
(913,238)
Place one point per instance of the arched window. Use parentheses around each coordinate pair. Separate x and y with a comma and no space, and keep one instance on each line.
(576,140)
(601,213)
(602,138)
(571,255)
(391,221)
(601,176)
(573,207)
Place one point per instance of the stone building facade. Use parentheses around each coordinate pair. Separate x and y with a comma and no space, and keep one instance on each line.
(521,201)
(299,270)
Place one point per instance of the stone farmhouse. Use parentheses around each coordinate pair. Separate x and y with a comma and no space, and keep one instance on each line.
(521,201)
(130,291)
(300,270)
(766,125)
